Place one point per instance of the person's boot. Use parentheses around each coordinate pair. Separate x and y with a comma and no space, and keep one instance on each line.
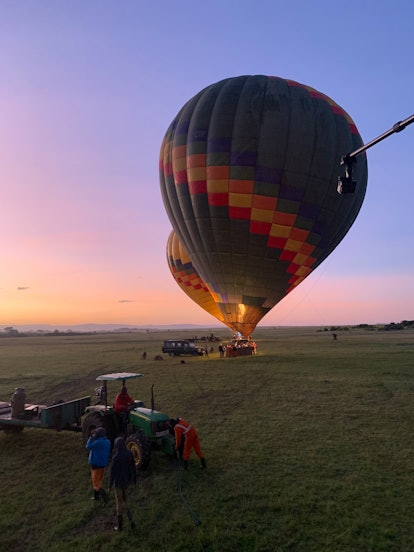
(120,524)
(203,464)
(105,496)
(95,495)
(131,521)
(185,465)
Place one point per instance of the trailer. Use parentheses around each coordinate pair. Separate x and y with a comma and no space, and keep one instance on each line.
(59,416)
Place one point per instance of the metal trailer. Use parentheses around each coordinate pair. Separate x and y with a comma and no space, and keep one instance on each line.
(60,416)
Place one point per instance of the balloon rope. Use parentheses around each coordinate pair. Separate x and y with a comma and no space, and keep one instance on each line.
(196,519)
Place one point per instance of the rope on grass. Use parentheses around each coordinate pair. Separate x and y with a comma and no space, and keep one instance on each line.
(196,519)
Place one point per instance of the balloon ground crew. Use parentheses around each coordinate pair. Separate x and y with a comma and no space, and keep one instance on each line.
(186,439)
(99,451)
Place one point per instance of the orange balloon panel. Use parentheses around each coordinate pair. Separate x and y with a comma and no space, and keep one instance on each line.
(187,277)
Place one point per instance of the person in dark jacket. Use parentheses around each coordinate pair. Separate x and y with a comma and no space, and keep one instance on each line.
(99,451)
(123,475)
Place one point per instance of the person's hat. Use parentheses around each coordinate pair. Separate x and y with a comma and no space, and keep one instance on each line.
(100,432)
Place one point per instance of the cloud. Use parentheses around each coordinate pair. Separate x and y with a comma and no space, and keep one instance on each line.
(125,301)
(22,288)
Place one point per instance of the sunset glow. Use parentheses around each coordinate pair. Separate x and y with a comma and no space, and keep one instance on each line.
(88,93)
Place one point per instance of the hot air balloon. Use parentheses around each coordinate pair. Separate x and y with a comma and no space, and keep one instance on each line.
(248,176)
(188,278)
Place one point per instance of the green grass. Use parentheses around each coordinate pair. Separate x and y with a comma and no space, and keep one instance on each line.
(309,445)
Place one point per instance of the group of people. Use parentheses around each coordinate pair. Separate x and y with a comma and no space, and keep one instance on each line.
(122,474)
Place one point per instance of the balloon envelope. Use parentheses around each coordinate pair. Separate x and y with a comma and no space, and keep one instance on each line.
(188,278)
(248,176)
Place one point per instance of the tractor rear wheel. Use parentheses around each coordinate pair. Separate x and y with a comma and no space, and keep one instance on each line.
(95,420)
(140,447)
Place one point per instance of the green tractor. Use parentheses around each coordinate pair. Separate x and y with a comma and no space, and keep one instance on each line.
(144,429)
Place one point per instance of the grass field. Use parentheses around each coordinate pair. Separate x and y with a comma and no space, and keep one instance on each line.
(309,445)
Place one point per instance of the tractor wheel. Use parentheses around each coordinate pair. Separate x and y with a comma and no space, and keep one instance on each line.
(140,447)
(95,420)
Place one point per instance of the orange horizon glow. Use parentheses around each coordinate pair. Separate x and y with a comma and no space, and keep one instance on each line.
(316,304)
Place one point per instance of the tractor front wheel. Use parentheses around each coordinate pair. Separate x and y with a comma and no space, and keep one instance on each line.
(140,447)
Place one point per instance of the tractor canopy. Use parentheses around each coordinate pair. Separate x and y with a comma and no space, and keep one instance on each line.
(116,376)
(102,392)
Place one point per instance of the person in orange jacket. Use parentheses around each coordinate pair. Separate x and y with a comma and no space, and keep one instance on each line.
(186,439)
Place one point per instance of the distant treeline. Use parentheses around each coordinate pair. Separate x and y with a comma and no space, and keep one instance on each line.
(392,326)
(12,332)
(9,331)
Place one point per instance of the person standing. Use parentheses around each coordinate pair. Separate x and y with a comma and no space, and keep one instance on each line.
(186,439)
(99,451)
(123,474)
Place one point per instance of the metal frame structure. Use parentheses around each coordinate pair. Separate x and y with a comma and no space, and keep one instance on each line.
(346,185)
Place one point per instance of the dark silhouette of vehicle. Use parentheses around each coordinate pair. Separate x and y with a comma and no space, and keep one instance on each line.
(176,347)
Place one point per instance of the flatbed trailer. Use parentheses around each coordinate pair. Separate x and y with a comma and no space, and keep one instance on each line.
(60,416)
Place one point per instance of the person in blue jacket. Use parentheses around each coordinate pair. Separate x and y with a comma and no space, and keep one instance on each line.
(99,451)
(123,475)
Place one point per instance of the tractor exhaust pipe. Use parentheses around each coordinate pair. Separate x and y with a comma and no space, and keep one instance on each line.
(152,398)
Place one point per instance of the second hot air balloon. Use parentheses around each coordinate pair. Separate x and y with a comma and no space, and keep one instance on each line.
(187,277)
(248,175)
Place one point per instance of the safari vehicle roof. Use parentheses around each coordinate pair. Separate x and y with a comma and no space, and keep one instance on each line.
(118,376)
